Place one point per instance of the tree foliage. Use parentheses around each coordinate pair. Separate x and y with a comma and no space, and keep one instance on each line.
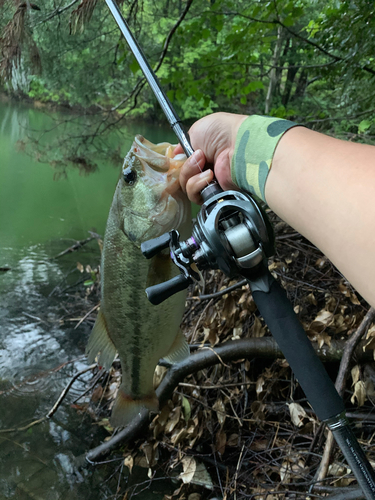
(312,61)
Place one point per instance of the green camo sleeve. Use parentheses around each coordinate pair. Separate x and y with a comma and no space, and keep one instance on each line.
(256,142)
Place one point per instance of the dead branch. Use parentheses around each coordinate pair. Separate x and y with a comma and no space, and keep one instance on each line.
(221,293)
(171,33)
(347,356)
(58,11)
(344,494)
(61,398)
(265,347)
(79,244)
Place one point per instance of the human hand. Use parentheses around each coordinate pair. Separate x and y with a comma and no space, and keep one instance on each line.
(213,138)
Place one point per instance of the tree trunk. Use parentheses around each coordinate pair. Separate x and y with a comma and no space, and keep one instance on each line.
(273,73)
(292,71)
(301,84)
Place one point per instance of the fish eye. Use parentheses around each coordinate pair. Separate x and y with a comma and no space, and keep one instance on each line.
(130,176)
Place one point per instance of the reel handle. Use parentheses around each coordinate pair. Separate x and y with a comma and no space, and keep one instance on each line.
(158,293)
(150,248)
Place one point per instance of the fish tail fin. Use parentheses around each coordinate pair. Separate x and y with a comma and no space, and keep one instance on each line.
(100,343)
(126,408)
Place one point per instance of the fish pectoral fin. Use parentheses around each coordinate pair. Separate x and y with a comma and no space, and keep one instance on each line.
(100,344)
(126,408)
(179,350)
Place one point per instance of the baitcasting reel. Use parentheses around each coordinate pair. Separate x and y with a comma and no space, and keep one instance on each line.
(232,233)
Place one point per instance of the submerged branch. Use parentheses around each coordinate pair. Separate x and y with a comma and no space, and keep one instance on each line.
(61,398)
(265,347)
(79,244)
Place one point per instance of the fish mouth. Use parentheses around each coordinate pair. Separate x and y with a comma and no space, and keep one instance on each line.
(157,156)
(161,170)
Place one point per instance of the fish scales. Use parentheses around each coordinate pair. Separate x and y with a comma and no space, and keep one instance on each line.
(151,204)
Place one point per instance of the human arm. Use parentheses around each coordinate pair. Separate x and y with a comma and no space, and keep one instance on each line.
(323,187)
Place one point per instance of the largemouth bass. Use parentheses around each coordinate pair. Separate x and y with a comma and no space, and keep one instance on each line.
(148,202)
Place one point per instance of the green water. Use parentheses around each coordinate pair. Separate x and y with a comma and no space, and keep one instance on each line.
(40,217)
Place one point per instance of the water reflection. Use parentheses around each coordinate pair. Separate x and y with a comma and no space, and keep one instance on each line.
(39,463)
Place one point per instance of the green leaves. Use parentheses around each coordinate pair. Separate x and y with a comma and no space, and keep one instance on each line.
(134,66)
(364,126)
(252,87)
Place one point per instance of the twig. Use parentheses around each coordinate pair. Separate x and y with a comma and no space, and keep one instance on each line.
(351,344)
(25,427)
(237,471)
(171,33)
(57,12)
(221,293)
(192,338)
(93,384)
(66,390)
(347,356)
(87,315)
(183,384)
(74,247)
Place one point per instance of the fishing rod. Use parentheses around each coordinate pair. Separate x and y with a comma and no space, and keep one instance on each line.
(232,233)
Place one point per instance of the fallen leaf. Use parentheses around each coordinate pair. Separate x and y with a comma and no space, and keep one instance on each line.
(202,477)
(233,440)
(219,407)
(189,466)
(259,385)
(129,462)
(258,330)
(359,393)
(173,420)
(220,442)
(297,414)
(355,372)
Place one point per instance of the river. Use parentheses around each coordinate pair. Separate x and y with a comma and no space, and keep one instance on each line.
(40,217)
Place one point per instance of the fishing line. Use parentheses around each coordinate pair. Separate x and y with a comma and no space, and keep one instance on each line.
(201,170)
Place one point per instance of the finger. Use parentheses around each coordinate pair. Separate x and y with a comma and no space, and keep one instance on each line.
(178,150)
(195,185)
(192,166)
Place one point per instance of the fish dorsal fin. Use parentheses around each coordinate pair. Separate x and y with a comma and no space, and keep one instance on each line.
(100,343)
(179,350)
